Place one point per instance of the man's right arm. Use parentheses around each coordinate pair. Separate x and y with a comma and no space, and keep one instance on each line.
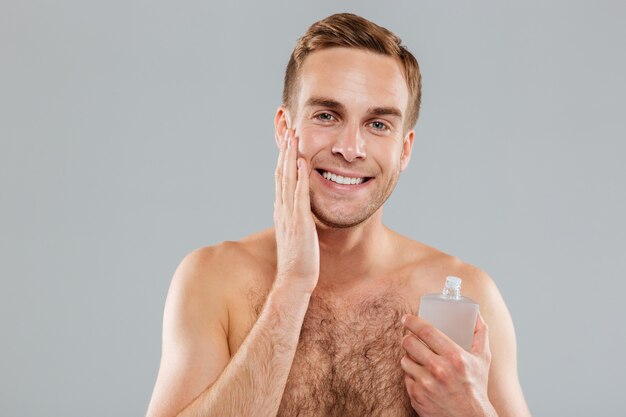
(197,377)
(195,346)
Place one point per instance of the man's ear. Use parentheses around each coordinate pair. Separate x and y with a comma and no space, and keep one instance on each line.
(407,147)
(282,122)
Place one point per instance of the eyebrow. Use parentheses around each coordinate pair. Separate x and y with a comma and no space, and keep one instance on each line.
(385,111)
(337,106)
(325,102)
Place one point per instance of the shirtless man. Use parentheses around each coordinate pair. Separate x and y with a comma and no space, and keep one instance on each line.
(314,317)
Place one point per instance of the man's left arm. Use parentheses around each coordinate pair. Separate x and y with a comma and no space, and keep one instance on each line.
(505,392)
(443,379)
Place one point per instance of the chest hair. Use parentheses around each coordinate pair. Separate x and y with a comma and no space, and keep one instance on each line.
(347,362)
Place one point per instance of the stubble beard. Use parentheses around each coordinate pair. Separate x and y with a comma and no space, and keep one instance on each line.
(335,217)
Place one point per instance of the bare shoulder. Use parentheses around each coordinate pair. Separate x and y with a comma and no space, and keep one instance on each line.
(431,266)
(220,280)
(207,292)
(222,265)
(208,282)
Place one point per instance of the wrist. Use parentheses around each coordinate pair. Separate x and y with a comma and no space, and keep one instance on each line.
(297,285)
(291,293)
(486,410)
(288,304)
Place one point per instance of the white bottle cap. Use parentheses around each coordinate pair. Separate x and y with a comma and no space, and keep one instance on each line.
(453,282)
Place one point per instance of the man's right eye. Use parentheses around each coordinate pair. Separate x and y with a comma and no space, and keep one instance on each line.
(325,117)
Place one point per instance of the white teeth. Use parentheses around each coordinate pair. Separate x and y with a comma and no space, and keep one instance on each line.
(341,180)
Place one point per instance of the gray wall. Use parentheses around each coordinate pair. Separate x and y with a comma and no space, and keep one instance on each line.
(135,131)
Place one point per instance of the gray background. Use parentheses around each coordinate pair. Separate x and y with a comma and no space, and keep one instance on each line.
(133,132)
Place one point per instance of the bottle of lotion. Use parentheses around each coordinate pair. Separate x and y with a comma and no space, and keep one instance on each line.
(451,313)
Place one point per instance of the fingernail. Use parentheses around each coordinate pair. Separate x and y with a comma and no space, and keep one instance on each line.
(286,136)
(403,319)
(299,163)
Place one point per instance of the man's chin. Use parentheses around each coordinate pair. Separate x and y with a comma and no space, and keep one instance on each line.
(338,221)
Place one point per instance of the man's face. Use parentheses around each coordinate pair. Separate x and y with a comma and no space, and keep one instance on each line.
(349,117)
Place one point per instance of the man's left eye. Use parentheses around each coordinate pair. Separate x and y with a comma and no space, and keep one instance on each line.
(379,125)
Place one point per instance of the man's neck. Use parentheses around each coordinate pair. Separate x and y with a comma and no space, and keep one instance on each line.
(351,255)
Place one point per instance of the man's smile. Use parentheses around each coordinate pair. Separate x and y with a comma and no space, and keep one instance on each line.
(347,180)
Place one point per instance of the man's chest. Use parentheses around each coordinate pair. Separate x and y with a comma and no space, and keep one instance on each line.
(348,361)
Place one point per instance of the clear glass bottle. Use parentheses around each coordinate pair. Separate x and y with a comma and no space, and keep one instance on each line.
(451,313)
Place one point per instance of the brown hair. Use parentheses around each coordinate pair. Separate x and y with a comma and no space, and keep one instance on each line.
(352,31)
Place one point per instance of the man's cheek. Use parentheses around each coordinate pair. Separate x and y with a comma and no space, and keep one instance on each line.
(312,140)
(306,144)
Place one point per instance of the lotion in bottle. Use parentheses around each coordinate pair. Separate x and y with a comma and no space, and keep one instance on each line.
(451,313)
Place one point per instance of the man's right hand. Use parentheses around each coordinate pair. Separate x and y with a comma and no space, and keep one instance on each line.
(297,245)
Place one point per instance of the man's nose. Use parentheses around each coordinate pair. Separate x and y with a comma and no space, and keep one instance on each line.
(350,144)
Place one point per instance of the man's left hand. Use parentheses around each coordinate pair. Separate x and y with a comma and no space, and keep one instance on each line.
(442,378)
